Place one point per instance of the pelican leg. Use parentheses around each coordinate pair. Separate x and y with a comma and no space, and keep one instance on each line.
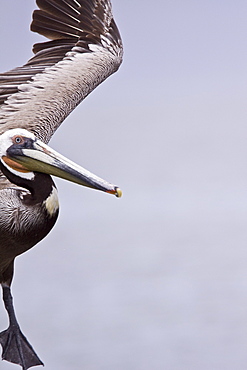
(16,348)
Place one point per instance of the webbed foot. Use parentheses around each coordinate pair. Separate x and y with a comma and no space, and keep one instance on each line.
(17,349)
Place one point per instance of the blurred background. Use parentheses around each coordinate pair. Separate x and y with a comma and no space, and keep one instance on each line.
(158,279)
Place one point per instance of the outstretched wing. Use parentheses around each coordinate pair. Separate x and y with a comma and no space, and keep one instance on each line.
(85,49)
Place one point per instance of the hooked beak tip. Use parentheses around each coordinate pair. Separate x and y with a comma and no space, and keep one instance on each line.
(117,192)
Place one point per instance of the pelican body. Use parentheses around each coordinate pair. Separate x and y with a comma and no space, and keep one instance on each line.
(84,49)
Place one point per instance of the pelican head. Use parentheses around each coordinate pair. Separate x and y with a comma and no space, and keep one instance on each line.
(22,154)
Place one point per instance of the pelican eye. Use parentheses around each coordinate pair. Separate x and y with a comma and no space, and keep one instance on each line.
(18,140)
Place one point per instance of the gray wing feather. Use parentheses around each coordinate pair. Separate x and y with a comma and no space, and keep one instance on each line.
(85,49)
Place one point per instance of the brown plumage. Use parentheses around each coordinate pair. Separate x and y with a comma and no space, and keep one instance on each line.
(84,49)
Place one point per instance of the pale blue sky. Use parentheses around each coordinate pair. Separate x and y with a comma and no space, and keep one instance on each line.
(158,279)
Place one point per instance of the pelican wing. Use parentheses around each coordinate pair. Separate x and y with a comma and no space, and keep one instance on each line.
(85,49)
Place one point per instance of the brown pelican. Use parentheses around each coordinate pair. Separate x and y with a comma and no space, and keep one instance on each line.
(84,49)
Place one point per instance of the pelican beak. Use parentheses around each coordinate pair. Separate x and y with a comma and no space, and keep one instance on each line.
(41,158)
